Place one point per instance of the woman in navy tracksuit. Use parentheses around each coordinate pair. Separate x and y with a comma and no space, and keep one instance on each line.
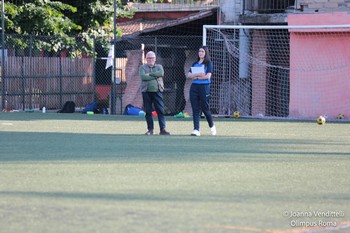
(200,91)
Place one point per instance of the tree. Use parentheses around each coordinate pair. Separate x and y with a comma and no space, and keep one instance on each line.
(63,21)
(40,17)
(96,17)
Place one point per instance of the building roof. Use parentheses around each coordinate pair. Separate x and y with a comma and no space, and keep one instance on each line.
(142,26)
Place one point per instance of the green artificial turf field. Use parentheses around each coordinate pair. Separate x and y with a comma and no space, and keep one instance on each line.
(99,173)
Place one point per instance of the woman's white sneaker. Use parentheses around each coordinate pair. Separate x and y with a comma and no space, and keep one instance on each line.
(195,133)
(213,130)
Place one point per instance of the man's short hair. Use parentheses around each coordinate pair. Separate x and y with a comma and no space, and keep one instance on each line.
(150,54)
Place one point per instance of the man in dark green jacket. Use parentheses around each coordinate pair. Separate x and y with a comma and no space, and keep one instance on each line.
(152,87)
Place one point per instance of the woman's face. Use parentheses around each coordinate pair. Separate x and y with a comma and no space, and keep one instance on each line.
(201,53)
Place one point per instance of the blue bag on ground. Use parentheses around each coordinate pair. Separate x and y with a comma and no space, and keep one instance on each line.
(92,107)
(131,110)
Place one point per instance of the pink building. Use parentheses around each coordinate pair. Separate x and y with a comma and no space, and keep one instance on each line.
(319,66)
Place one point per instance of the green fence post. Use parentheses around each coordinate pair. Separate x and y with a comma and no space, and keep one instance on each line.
(61,82)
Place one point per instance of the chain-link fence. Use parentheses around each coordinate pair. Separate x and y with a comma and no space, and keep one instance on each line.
(176,54)
(35,75)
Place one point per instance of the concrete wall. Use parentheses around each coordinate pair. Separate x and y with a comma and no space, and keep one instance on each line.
(324,5)
(230,10)
(133,93)
(319,67)
(259,81)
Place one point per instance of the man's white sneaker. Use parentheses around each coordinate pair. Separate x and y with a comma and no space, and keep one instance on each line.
(195,133)
(213,130)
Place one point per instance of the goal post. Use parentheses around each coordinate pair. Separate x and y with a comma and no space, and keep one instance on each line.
(296,72)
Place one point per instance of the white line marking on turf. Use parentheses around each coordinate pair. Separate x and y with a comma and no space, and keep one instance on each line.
(6,123)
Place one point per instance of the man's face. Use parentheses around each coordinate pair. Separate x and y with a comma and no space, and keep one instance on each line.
(151,60)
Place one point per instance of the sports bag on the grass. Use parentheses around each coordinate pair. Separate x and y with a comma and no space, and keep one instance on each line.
(68,107)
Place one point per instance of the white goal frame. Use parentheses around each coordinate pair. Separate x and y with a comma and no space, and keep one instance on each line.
(232,91)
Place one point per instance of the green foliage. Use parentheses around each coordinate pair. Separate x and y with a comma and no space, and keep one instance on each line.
(39,17)
(86,19)
(11,12)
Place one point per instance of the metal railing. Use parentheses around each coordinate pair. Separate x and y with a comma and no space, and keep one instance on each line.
(179,5)
(268,6)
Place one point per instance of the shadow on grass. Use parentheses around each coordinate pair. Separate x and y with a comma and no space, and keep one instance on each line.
(173,197)
(26,146)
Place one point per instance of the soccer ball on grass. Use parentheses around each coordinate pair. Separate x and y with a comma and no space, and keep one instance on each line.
(236,114)
(321,120)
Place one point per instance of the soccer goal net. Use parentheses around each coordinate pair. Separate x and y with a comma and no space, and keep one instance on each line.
(280,71)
